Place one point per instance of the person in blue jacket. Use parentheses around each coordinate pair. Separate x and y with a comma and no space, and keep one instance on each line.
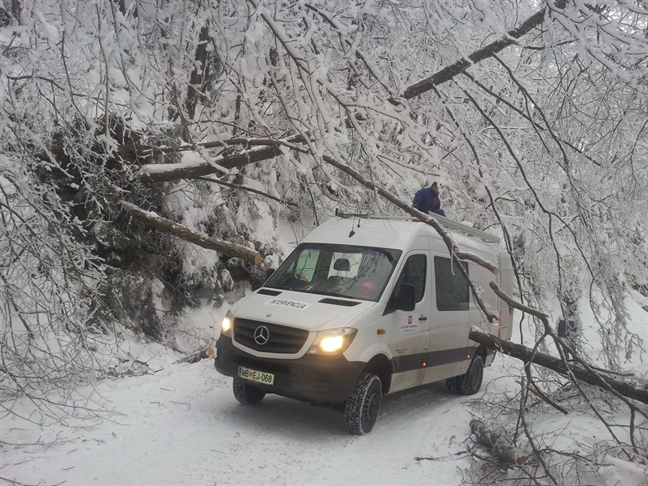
(427,200)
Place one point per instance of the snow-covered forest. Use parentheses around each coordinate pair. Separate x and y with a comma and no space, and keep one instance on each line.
(158,156)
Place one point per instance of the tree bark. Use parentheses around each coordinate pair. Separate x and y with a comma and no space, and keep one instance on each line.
(558,365)
(200,74)
(449,72)
(167,226)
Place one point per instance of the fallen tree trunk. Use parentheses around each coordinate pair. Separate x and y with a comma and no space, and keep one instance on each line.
(559,366)
(167,226)
(505,452)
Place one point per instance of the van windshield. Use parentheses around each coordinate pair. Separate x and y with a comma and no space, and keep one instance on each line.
(356,272)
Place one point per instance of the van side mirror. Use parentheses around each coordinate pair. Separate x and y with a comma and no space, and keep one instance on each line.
(269,273)
(406,298)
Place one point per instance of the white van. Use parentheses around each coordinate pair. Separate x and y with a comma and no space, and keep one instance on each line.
(362,308)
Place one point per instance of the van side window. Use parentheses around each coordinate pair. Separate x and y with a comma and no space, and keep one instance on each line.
(451,286)
(414,273)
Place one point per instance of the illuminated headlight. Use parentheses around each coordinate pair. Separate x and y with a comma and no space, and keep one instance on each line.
(332,341)
(226,325)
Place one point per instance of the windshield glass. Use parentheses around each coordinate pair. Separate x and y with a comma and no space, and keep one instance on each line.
(355,272)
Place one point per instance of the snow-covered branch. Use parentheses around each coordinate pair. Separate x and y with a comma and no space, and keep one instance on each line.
(223,163)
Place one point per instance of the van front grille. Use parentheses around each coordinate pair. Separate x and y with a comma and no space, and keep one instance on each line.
(280,339)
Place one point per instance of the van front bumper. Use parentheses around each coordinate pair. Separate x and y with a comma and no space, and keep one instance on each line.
(312,378)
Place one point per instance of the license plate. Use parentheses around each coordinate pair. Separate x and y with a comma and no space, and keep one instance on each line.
(257,376)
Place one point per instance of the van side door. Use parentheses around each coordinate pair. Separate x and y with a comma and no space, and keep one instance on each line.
(407,330)
(448,337)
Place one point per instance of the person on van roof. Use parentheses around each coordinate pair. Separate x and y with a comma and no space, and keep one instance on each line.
(427,199)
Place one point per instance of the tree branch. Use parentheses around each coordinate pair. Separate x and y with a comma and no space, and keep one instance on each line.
(505,452)
(449,72)
(249,189)
(242,141)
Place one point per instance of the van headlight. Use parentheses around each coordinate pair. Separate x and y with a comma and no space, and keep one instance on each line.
(332,341)
(226,325)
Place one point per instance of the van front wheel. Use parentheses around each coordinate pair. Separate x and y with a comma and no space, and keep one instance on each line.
(470,383)
(247,394)
(362,407)
(453,385)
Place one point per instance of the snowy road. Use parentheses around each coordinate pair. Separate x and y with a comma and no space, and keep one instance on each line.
(182,425)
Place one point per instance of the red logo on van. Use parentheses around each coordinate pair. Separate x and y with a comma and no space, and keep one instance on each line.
(409,319)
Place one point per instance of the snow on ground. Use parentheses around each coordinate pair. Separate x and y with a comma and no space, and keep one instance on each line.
(180,424)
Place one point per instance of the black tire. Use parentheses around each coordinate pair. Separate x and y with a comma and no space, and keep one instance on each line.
(453,385)
(470,383)
(362,407)
(245,393)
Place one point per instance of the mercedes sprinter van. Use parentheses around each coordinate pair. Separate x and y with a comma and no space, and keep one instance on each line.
(362,308)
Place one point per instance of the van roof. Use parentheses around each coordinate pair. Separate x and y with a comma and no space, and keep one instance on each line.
(385,233)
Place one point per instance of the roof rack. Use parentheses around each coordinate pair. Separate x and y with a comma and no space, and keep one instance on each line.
(445,222)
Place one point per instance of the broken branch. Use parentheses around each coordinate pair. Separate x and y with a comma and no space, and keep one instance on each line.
(559,366)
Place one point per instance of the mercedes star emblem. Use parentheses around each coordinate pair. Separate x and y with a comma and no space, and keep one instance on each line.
(261,335)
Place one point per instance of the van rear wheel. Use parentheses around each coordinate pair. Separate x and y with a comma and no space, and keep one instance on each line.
(246,393)
(362,407)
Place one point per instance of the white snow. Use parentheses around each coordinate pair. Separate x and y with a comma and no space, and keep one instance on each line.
(182,425)
(189,160)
